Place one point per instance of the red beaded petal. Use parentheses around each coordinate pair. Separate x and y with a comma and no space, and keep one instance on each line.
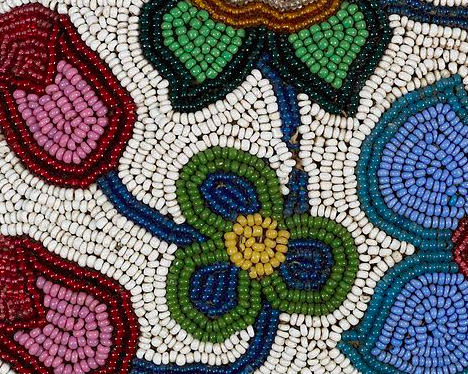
(460,246)
(34,42)
(49,280)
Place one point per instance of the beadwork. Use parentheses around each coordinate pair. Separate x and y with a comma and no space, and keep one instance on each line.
(329,65)
(233,186)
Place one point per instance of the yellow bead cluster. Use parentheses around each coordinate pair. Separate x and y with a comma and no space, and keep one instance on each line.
(256,245)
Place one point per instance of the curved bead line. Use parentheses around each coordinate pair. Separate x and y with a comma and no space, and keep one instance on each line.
(153,221)
(265,330)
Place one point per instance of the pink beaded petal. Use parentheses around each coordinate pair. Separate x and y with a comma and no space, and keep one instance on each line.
(68,119)
(78,333)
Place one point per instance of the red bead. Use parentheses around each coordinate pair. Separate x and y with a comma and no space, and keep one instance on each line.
(33,40)
(28,260)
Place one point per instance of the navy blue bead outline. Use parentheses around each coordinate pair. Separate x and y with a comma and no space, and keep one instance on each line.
(265,331)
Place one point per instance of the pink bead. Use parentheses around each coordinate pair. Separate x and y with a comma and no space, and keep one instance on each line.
(82,154)
(41,338)
(70,323)
(40,282)
(29,342)
(84,365)
(45,130)
(90,318)
(92,363)
(22,107)
(59,369)
(35,332)
(43,356)
(81,353)
(79,325)
(81,298)
(90,120)
(42,140)
(68,310)
(94,334)
(86,113)
(102,112)
(76,158)
(104,322)
(59,154)
(61,351)
(49,317)
(33,104)
(74,81)
(98,130)
(53,349)
(89,352)
(32,97)
(34,349)
(67,157)
(47,344)
(72,343)
(17,94)
(93,136)
(43,100)
(48,144)
(50,105)
(91,326)
(61,65)
(65,338)
(48,361)
(84,312)
(58,79)
(74,357)
(62,322)
(68,369)
(81,106)
(63,140)
(57,95)
(81,85)
(54,113)
(51,89)
(77,369)
(81,341)
(56,362)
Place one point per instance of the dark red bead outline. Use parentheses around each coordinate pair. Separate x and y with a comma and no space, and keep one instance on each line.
(63,43)
(58,270)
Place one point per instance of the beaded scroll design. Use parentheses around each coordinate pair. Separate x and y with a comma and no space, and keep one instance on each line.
(234,187)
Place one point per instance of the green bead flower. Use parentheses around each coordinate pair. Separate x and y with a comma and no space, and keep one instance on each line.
(204,59)
(299,264)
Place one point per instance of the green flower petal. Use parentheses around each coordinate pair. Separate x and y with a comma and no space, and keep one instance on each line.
(183,310)
(343,272)
(211,165)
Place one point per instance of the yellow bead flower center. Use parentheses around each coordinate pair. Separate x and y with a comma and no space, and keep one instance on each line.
(256,245)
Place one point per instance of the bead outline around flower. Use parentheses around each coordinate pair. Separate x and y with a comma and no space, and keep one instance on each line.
(256,289)
(228,70)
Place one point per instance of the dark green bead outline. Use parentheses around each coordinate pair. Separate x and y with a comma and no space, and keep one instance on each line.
(186,94)
(347,97)
(305,226)
(202,328)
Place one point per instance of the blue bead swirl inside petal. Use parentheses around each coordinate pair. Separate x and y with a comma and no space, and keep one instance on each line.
(308,264)
(229,195)
(427,328)
(423,172)
(213,289)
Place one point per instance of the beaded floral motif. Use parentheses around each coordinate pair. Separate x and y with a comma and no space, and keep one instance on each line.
(416,322)
(328,60)
(84,322)
(61,110)
(257,244)
(413,165)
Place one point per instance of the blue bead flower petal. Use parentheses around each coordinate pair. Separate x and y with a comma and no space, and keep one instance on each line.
(417,321)
(413,169)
